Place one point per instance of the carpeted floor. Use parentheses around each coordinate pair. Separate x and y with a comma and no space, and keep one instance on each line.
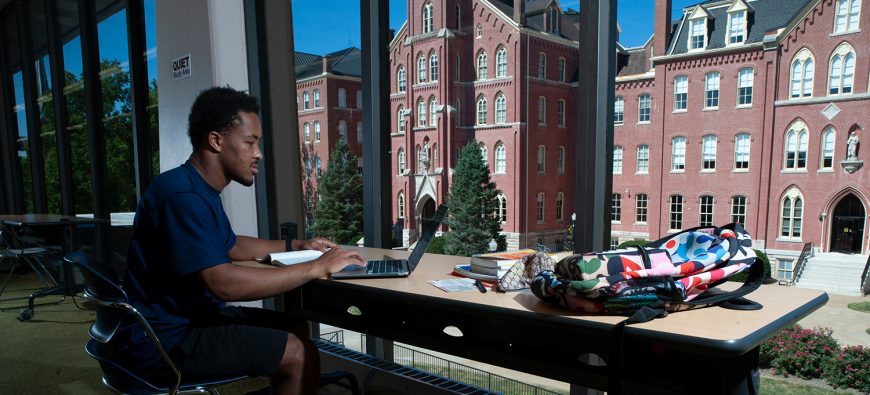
(46,355)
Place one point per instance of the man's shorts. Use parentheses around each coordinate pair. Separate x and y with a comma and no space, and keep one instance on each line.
(239,341)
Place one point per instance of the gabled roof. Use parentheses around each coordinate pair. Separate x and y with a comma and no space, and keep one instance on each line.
(346,62)
(764,16)
(569,19)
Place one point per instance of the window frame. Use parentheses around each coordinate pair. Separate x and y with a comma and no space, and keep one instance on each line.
(500,158)
(618,110)
(802,85)
(616,208)
(678,156)
(500,108)
(709,143)
(742,165)
(849,15)
(681,93)
(706,208)
(744,88)
(481,111)
(542,159)
(401,79)
(541,207)
(800,132)
(827,146)
(560,160)
(560,207)
(501,63)
(642,158)
(644,108)
(617,159)
(675,212)
(791,222)
(738,209)
(427,18)
(482,67)
(542,66)
(844,54)
(711,93)
(692,45)
(433,66)
(641,207)
(742,17)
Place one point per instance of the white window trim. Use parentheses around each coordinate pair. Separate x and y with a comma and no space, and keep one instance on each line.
(842,51)
(704,23)
(792,194)
(731,11)
(849,4)
(801,57)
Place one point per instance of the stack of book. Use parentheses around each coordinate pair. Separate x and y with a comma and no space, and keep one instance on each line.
(492,266)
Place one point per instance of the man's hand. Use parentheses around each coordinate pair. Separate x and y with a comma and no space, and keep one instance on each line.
(336,259)
(317,243)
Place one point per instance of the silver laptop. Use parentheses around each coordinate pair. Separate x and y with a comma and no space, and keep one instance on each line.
(397,267)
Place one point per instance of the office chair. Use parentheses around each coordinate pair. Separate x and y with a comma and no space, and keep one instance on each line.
(103,291)
(14,250)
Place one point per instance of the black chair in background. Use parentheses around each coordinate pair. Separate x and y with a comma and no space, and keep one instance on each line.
(103,291)
(14,252)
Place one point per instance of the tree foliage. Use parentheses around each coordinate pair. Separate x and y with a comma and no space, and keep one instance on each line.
(338,214)
(473,201)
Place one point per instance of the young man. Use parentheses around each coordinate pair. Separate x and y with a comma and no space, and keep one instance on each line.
(180,269)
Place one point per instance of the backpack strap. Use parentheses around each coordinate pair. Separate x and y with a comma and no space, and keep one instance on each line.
(734,299)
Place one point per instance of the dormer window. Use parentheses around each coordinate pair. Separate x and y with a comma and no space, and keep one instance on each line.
(699,34)
(698,29)
(737,27)
(553,21)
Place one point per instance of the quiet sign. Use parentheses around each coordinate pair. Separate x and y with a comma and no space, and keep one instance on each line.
(181,68)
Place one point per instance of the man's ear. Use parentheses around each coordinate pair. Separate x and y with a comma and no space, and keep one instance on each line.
(215,141)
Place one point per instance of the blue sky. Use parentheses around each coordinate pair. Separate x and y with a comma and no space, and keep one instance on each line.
(341,18)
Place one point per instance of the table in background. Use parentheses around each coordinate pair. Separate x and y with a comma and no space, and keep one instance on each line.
(67,285)
(710,350)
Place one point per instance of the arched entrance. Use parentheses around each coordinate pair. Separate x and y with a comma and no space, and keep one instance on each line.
(425,209)
(847,225)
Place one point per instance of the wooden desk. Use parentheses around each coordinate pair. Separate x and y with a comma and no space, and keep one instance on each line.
(711,350)
(67,285)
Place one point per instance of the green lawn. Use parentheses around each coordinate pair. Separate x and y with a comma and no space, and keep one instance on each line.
(860,306)
(782,387)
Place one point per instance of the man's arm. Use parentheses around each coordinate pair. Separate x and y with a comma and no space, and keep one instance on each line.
(250,248)
(231,282)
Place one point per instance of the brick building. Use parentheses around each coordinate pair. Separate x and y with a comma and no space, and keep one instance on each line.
(742,111)
(501,73)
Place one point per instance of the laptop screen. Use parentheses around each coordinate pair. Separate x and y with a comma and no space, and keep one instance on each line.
(430,226)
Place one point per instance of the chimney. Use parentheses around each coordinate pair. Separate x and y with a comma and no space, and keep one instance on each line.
(325,65)
(661,27)
(520,12)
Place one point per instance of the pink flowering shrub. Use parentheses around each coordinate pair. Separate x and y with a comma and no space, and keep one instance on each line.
(849,368)
(800,352)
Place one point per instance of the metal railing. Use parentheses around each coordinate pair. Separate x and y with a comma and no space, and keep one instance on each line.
(865,279)
(801,262)
(460,372)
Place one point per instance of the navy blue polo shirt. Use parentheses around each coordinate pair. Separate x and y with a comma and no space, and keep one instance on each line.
(180,228)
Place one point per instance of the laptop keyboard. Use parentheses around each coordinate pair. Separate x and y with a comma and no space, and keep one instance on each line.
(384,266)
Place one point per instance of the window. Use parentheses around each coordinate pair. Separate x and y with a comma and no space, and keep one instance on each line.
(481,110)
(678,154)
(617,159)
(542,159)
(542,110)
(744,88)
(317,98)
(458,112)
(616,208)
(847,15)
(802,68)
(402,161)
(318,170)
(618,110)
(502,208)
(561,69)
(643,104)
(614,243)
(500,109)
(792,215)
(458,16)
(560,114)
(400,205)
(708,152)
(420,165)
(359,133)
(741,151)
(642,159)
(737,24)
(676,212)
(705,213)
(681,89)
(541,198)
(433,67)
(307,128)
(842,70)
(481,66)
(427,17)
(433,157)
(457,68)
(553,21)
(421,69)
(342,98)
(400,77)
(500,158)
(478,31)
(560,160)
(711,90)
(306,101)
(641,202)
(828,148)
(342,131)
(359,99)
(484,155)
(796,141)
(542,66)
(738,209)
(400,118)
(698,38)
(784,269)
(560,203)
(316,131)
(421,112)
(433,108)
(501,63)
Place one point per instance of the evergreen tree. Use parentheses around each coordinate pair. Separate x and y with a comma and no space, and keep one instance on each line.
(338,211)
(473,202)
